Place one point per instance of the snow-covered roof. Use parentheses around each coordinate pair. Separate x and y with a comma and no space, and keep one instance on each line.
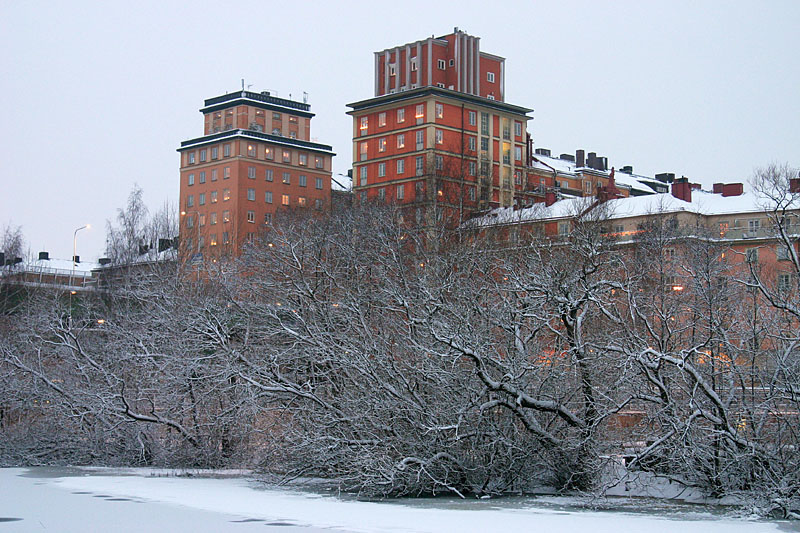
(630,181)
(59,264)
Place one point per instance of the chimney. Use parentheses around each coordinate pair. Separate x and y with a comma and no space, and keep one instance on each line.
(627,169)
(682,189)
(591,160)
(76,259)
(543,151)
(666,177)
(549,198)
(44,256)
(718,187)
(695,186)
(794,185)
(732,189)
(567,157)
(580,160)
(602,163)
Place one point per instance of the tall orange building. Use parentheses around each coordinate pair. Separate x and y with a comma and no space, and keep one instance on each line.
(438,132)
(254,158)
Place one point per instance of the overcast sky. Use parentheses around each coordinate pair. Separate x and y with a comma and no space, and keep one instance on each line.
(98,96)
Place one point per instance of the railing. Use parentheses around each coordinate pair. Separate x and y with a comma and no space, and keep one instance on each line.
(764,232)
(259,97)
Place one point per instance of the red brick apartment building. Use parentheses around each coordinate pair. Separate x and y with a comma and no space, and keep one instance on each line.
(254,158)
(438,133)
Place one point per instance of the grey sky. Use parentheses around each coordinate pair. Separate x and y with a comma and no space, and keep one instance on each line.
(99,95)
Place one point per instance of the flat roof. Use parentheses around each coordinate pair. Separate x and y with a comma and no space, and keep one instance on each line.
(256,135)
(262,100)
(445,93)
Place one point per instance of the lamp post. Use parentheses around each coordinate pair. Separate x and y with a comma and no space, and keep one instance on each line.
(72,274)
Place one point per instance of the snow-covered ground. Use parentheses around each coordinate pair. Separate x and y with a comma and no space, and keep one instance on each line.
(126,501)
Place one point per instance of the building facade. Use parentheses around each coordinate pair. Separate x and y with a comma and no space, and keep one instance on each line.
(255,158)
(438,132)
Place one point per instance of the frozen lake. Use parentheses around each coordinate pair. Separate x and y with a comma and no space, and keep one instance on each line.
(78,500)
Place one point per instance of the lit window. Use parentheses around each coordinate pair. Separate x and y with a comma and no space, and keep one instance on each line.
(302,180)
(401,115)
(213,197)
(190,201)
(226,195)
(401,140)
(191,179)
(318,183)
(251,217)
(381,170)
(401,166)
(301,201)
(292,119)
(268,174)
(318,162)
(439,136)
(251,150)
(226,216)
(226,239)
(382,144)
(381,119)
(251,172)
(269,153)
(287,156)
(212,239)
(251,195)
(364,125)
(284,199)
(439,111)
(490,77)
(303,159)
(268,197)
(401,192)
(293,135)
(287,178)
(267,218)
(420,112)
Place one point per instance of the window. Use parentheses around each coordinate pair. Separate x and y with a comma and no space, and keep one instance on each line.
(301,201)
(214,174)
(200,242)
(190,201)
(364,125)
(401,140)
(401,192)
(782,252)
(277,131)
(276,116)
(753,225)
(203,155)
(392,69)
(420,139)
(251,195)
(190,158)
(420,114)
(438,162)
(269,153)
(563,228)
(268,197)
(317,204)
(287,178)
(226,172)
(302,180)
(485,144)
(784,282)
(484,123)
(226,238)
(202,219)
(490,77)
(267,218)
(212,218)
(382,193)
(268,174)
(203,176)
(226,195)
(381,119)
(518,129)
(381,170)
(318,162)
(471,192)
(472,143)
(439,137)
(587,187)
(251,172)
(226,150)
(251,150)
(473,118)
(420,165)
(292,119)
(285,199)
(752,255)
(213,197)
(251,217)
(452,62)
(401,115)
(215,152)
(362,150)
(190,221)
(441,64)
(362,197)
(363,175)
(191,179)
(401,166)
(439,111)
(413,64)
(518,153)
(318,183)
(226,216)
(382,144)
(287,156)
(419,190)
(303,159)
(212,239)
(472,168)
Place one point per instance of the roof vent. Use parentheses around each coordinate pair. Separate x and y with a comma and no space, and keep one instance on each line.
(627,169)
(44,256)
(543,151)
(567,157)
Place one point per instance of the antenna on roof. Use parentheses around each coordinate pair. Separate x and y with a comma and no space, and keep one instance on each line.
(243,84)
(305,97)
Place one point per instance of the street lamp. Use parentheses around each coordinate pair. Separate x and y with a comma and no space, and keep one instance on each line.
(72,274)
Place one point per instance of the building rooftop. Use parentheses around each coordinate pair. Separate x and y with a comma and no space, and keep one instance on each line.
(262,100)
(445,93)
(256,135)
